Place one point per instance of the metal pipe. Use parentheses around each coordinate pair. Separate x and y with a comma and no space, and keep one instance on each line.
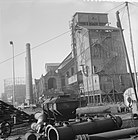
(93,110)
(98,126)
(30,136)
(47,128)
(118,134)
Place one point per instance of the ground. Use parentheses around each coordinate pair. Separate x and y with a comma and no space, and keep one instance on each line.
(19,131)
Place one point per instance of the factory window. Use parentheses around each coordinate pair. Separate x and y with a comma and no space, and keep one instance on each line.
(72,71)
(63,81)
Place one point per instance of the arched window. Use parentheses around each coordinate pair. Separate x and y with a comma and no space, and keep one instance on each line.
(52,83)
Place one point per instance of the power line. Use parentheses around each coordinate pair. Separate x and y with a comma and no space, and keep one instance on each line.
(123,13)
(59,35)
(115,8)
(121,9)
(50,39)
(36,46)
(132,4)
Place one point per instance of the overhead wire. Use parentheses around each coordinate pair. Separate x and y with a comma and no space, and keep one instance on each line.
(53,38)
(115,8)
(123,11)
(36,46)
(132,4)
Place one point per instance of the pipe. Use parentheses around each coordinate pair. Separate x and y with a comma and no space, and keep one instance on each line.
(30,136)
(118,134)
(93,110)
(98,126)
(47,128)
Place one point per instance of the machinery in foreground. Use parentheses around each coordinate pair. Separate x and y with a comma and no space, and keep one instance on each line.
(10,116)
(59,121)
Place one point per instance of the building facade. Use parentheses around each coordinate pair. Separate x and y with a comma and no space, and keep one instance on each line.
(57,81)
(20,90)
(48,85)
(98,51)
(95,69)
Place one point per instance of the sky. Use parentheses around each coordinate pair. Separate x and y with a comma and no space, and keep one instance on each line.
(45,25)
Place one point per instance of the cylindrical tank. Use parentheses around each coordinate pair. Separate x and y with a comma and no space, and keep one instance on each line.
(98,126)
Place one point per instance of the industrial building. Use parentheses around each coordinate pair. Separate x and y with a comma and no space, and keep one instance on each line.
(96,68)
(20,90)
(98,51)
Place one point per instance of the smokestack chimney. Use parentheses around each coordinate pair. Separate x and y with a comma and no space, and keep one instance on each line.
(29,88)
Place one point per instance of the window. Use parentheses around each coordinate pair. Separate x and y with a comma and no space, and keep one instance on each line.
(63,81)
(72,71)
(67,74)
(52,83)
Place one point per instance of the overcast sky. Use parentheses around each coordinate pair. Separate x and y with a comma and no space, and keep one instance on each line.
(37,21)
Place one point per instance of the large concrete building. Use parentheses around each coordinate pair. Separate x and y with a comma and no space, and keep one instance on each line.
(96,68)
(98,51)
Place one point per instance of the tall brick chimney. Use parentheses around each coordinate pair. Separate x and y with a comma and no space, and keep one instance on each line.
(29,87)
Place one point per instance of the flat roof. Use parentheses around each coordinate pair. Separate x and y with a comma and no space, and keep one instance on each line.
(90,13)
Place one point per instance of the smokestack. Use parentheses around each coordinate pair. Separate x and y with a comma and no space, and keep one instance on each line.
(29,88)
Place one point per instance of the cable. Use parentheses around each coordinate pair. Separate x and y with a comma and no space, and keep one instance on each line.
(50,39)
(58,36)
(132,4)
(123,13)
(114,8)
(36,46)
(121,9)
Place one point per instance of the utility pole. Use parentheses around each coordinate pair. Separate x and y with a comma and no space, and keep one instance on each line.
(13,93)
(124,45)
(132,48)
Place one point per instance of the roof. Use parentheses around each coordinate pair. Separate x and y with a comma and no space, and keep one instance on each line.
(66,60)
(100,27)
(89,13)
(52,64)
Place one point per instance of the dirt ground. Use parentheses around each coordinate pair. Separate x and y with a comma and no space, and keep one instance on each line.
(18,131)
